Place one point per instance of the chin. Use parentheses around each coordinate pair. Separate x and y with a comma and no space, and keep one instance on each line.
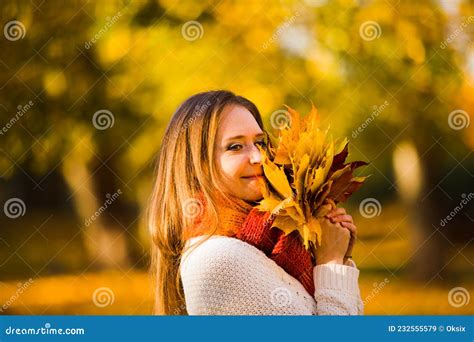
(253,197)
(248,193)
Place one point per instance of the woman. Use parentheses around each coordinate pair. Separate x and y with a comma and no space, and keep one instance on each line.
(212,253)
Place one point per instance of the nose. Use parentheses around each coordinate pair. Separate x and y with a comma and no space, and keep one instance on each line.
(255,156)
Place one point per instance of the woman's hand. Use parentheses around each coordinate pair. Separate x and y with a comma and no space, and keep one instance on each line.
(339,215)
(334,242)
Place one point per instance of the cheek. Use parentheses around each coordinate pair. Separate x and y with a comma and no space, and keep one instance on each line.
(231,166)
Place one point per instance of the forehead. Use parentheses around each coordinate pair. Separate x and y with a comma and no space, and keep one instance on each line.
(237,120)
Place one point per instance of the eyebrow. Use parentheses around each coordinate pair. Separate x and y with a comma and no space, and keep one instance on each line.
(243,136)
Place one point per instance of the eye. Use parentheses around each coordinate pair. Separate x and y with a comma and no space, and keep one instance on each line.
(261,143)
(234,147)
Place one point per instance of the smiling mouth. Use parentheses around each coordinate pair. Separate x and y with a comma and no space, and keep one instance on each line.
(254,176)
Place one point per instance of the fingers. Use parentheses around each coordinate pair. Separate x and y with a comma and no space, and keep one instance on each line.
(349,225)
(338,225)
(342,218)
(336,212)
(349,249)
(343,236)
(352,227)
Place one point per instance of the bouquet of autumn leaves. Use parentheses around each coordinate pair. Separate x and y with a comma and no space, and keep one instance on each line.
(306,177)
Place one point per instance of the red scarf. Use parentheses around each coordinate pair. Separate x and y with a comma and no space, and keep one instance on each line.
(253,227)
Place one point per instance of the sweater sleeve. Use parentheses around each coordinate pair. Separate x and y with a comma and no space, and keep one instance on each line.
(337,289)
(224,277)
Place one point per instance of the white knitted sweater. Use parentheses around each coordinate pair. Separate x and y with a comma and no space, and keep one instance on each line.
(226,276)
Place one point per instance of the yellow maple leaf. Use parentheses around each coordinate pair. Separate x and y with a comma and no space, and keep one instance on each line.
(307,176)
(277,178)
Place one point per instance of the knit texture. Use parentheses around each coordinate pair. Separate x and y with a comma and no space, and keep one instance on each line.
(242,221)
(286,250)
(226,276)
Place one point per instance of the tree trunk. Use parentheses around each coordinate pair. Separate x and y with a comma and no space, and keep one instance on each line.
(104,239)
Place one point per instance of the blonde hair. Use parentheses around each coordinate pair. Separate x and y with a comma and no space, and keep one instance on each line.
(185,171)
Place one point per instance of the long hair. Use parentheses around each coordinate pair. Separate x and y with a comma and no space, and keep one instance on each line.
(186,170)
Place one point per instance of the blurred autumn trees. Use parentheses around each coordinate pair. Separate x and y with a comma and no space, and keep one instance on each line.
(106,76)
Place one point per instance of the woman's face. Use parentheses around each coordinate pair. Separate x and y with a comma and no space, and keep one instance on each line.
(238,157)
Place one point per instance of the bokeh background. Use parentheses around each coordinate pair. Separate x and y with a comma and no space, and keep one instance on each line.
(88,87)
